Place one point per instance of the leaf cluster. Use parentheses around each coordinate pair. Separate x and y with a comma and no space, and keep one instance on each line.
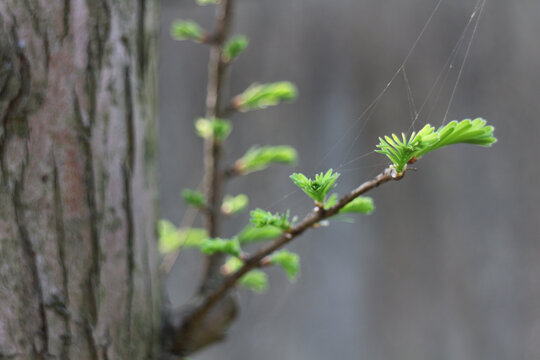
(193,198)
(207,2)
(234,47)
(288,261)
(406,150)
(260,218)
(251,234)
(361,204)
(218,245)
(259,158)
(318,188)
(260,96)
(234,204)
(187,30)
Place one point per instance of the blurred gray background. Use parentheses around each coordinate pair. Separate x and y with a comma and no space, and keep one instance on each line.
(448,265)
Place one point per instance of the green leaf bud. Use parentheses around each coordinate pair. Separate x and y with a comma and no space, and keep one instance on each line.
(264,95)
(259,158)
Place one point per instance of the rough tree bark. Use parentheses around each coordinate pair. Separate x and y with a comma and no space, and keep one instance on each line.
(78,268)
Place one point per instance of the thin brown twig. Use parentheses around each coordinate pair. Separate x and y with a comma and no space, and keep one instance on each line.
(212,148)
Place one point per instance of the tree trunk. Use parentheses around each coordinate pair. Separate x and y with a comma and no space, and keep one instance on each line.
(78,261)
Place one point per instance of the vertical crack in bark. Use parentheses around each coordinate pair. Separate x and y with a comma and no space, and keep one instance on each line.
(141,41)
(47,52)
(92,282)
(66,10)
(92,346)
(31,258)
(127,173)
(61,245)
(16,104)
(33,11)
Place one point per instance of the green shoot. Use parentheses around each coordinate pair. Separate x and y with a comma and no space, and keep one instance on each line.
(172,238)
(217,245)
(234,47)
(187,30)
(234,204)
(317,189)
(259,158)
(404,151)
(207,2)
(255,280)
(264,95)
(261,218)
(290,262)
(361,204)
(232,265)
(217,128)
(193,198)
(251,234)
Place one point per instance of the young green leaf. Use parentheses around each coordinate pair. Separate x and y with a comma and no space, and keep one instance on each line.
(232,265)
(264,95)
(361,204)
(466,131)
(261,218)
(331,201)
(207,2)
(187,30)
(234,47)
(259,158)
(251,234)
(290,262)
(403,151)
(234,204)
(172,238)
(217,245)
(255,280)
(193,198)
(317,189)
(218,128)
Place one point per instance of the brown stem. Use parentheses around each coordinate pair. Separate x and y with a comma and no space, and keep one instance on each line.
(254,261)
(178,339)
(212,148)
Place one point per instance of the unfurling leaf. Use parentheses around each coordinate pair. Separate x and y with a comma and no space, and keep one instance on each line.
(317,189)
(217,245)
(207,2)
(234,47)
(261,218)
(255,280)
(187,30)
(259,158)
(264,95)
(290,262)
(193,198)
(403,151)
(251,234)
(218,128)
(361,204)
(234,204)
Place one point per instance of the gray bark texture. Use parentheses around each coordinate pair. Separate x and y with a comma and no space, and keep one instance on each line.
(78,268)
